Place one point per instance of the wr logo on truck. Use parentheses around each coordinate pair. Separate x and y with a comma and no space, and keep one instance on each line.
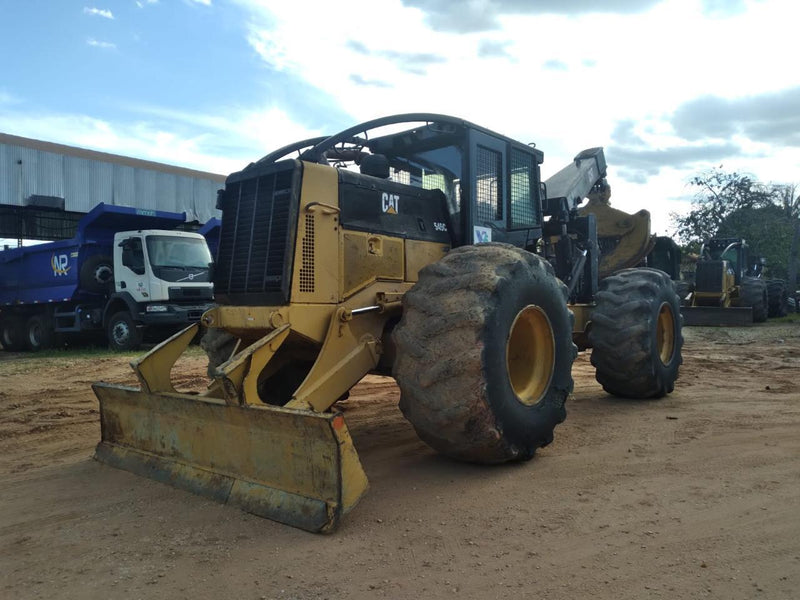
(60,264)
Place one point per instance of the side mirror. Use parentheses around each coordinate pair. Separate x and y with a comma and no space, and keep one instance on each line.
(211,270)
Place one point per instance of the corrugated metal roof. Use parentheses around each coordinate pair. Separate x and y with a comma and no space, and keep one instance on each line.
(14,140)
(84,178)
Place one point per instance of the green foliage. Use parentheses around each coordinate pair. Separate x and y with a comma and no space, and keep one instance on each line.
(737,205)
(718,195)
(768,233)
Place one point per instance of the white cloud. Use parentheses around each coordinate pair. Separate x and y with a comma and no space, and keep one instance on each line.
(188,139)
(98,44)
(203,2)
(142,3)
(612,67)
(98,12)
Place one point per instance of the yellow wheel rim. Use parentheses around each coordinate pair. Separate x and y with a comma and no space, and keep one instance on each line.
(665,334)
(530,354)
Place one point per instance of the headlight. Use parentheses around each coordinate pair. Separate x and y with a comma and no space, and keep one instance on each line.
(156,308)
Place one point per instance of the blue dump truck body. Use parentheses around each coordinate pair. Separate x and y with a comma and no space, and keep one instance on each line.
(55,281)
(51,272)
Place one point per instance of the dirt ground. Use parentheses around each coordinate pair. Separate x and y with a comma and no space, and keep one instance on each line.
(693,496)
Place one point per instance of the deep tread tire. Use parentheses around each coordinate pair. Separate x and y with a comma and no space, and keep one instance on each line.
(451,363)
(777,298)
(12,334)
(123,334)
(624,334)
(39,333)
(753,292)
(97,274)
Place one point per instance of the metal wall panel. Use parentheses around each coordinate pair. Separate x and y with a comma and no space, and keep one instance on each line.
(85,178)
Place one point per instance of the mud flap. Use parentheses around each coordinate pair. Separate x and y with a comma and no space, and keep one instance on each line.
(712,316)
(293,466)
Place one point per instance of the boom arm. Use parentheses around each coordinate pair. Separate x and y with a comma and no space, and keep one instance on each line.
(576,180)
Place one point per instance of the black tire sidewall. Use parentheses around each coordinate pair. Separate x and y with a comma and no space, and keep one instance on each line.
(134,339)
(45,333)
(523,425)
(90,267)
(12,334)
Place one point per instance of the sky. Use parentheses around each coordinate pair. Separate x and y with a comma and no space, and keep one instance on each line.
(669,88)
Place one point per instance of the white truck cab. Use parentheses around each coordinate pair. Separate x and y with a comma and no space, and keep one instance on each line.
(161,278)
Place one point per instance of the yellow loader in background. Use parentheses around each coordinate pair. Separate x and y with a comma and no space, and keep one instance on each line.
(420,246)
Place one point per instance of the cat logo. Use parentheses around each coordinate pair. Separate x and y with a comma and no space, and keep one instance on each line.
(390,203)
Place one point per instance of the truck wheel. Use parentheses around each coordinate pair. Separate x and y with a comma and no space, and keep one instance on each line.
(636,334)
(39,333)
(484,354)
(12,334)
(753,292)
(97,273)
(123,334)
(777,298)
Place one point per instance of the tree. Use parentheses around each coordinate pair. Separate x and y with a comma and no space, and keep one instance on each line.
(789,197)
(731,204)
(719,194)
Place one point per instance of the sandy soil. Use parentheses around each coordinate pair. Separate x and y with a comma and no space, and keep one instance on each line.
(693,496)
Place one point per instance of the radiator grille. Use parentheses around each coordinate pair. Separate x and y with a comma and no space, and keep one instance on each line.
(254,236)
(708,277)
(307,267)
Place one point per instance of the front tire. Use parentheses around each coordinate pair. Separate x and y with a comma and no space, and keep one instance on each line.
(123,334)
(636,334)
(484,354)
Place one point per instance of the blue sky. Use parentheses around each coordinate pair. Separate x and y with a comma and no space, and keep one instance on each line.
(668,87)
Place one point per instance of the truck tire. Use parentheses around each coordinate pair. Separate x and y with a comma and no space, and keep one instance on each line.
(777,298)
(753,292)
(123,334)
(97,274)
(39,333)
(484,354)
(636,334)
(12,334)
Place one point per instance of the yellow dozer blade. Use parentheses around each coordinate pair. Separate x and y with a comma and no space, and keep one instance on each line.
(298,467)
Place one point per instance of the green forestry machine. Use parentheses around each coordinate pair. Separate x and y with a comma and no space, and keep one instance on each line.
(419,246)
(728,286)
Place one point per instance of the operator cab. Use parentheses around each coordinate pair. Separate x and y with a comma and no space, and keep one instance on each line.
(498,177)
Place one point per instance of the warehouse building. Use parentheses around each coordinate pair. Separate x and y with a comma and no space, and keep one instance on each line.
(45,188)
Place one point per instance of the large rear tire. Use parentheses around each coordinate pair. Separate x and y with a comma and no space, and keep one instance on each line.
(636,334)
(484,354)
(753,292)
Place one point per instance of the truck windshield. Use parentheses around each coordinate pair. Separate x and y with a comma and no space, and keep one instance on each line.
(167,251)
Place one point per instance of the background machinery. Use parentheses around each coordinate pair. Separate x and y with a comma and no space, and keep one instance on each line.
(127,273)
(421,246)
(728,286)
